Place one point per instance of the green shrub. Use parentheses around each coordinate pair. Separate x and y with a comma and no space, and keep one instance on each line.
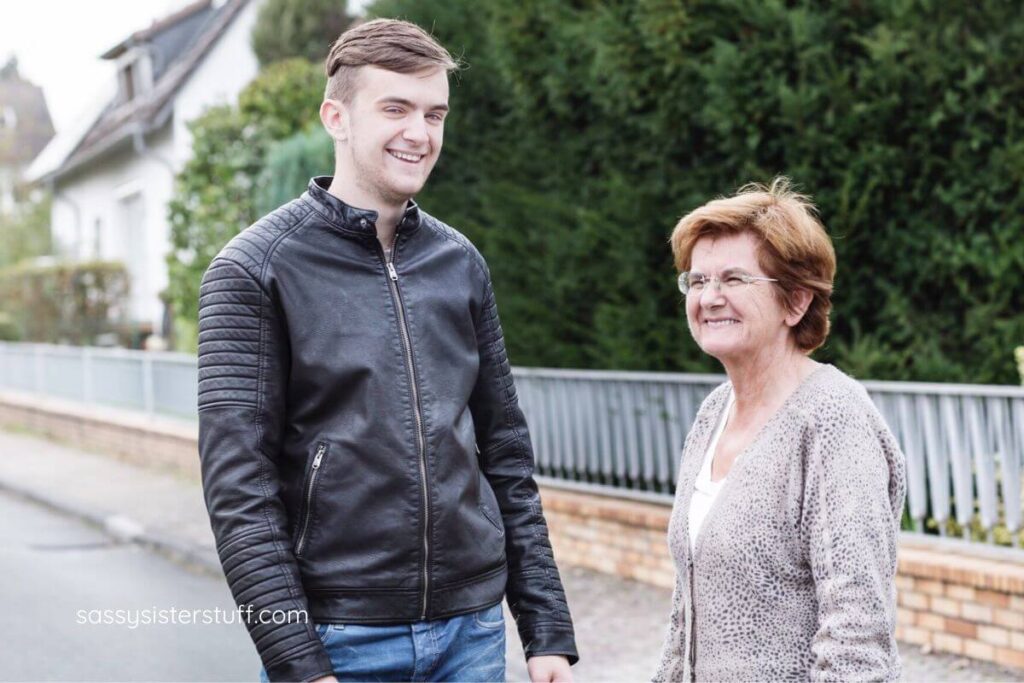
(582,131)
(9,330)
(290,164)
(215,193)
(298,28)
(67,303)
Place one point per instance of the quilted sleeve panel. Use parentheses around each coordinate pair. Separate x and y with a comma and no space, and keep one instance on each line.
(242,377)
(535,594)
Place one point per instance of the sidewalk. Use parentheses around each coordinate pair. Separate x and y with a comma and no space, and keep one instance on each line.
(619,623)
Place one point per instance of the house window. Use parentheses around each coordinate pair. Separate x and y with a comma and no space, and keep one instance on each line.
(135,75)
(128,82)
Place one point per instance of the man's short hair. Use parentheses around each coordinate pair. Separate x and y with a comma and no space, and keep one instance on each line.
(391,44)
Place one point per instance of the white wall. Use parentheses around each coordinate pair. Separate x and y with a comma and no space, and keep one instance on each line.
(91,208)
(225,72)
(118,211)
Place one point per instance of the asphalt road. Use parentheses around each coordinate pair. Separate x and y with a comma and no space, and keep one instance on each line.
(56,570)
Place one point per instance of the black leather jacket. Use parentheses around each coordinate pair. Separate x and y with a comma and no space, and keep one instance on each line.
(363,453)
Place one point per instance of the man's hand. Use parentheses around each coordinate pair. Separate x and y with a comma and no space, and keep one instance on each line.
(326,679)
(549,669)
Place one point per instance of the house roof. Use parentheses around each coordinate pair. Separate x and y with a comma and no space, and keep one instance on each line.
(32,128)
(177,44)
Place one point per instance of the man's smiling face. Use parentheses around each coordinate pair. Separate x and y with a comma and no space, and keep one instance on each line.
(395,131)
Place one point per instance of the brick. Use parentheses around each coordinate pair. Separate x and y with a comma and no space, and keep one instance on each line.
(1008,657)
(1017,603)
(906,616)
(912,600)
(993,598)
(945,606)
(981,614)
(1009,619)
(958,592)
(931,622)
(959,627)
(947,643)
(1017,640)
(904,582)
(916,636)
(978,650)
(929,587)
(994,635)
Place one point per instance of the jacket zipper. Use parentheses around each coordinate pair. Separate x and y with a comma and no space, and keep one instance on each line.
(321,449)
(403,329)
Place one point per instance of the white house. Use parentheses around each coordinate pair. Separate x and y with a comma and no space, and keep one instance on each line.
(113,179)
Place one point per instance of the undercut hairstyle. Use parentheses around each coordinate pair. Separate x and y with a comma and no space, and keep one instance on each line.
(793,247)
(391,44)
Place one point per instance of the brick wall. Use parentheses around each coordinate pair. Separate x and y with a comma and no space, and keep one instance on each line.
(954,602)
(167,444)
(970,606)
(951,599)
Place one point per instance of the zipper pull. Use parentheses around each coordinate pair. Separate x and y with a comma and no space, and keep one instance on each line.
(321,449)
(392,272)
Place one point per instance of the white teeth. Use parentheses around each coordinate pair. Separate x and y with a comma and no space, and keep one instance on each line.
(721,323)
(405,157)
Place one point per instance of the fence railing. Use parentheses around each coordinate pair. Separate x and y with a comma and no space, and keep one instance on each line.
(964,443)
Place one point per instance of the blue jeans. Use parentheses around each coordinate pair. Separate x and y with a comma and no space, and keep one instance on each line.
(470,647)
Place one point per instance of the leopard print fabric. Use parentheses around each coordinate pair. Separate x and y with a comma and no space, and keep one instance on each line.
(792,575)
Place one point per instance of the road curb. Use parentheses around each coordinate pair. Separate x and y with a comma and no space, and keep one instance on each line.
(125,529)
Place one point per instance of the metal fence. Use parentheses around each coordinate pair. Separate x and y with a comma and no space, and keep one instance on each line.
(964,443)
(157,383)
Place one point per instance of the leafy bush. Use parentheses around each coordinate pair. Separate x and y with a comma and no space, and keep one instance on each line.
(290,164)
(25,232)
(582,131)
(215,193)
(67,303)
(298,28)
(9,330)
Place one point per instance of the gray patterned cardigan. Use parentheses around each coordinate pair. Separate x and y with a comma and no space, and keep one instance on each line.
(792,574)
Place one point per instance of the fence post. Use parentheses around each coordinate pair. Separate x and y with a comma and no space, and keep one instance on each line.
(147,384)
(87,392)
(37,367)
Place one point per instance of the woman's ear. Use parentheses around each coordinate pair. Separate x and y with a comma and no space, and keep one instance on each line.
(800,302)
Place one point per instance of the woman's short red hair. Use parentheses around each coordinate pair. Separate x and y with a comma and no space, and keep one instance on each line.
(794,247)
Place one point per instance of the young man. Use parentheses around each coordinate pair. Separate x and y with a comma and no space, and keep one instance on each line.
(364,457)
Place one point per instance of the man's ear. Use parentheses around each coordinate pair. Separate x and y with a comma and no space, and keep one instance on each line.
(334,115)
(801,302)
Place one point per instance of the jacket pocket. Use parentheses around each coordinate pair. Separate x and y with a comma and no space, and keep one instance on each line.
(309,496)
(489,505)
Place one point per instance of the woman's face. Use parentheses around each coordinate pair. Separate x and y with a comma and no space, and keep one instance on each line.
(734,322)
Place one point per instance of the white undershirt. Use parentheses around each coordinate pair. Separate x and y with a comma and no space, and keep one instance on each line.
(706,491)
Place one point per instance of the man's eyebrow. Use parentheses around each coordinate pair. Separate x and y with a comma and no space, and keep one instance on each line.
(410,104)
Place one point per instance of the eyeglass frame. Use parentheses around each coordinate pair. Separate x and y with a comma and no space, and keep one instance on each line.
(745,279)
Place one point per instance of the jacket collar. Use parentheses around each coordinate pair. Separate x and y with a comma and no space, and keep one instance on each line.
(349,219)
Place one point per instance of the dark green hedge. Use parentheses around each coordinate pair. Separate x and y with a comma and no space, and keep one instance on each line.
(582,130)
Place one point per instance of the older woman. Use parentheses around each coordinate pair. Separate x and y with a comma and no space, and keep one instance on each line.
(791,487)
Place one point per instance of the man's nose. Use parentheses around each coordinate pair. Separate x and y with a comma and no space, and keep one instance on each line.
(416,131)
